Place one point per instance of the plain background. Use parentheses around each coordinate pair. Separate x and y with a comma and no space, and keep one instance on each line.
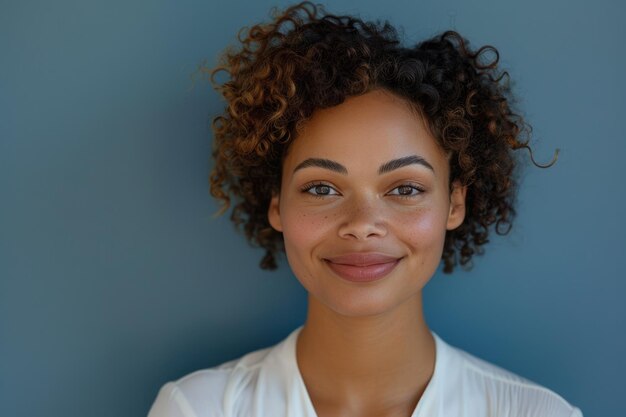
(115,278)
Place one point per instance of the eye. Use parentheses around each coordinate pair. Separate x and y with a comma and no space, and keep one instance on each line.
(319,189)
(406,190)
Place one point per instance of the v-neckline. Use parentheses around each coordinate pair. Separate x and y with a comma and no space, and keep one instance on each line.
(427,396)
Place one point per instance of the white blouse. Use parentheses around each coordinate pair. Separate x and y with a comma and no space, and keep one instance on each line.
(267,383)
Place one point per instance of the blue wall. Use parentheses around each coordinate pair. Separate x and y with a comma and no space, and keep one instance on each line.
(114,277)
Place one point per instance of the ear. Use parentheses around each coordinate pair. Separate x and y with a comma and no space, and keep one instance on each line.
(457,205)
(273,213)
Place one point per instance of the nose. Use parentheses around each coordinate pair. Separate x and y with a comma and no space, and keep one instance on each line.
(363,219)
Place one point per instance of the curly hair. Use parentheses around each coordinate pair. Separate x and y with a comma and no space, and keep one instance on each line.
(282,74)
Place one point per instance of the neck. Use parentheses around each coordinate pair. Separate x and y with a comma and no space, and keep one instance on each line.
(380,363)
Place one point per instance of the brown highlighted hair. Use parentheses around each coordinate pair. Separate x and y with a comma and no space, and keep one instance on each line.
(307,59)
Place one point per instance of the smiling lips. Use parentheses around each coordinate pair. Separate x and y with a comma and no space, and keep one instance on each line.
(362,267)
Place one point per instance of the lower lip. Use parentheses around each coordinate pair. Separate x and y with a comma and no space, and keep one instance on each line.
(368,273)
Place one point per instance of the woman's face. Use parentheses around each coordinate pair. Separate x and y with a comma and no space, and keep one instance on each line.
(365,204)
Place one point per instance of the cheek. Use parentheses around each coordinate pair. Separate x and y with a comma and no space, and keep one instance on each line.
(302,233)
(302,230)
(425,228)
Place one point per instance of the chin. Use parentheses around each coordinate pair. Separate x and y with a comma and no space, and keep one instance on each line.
(362,303)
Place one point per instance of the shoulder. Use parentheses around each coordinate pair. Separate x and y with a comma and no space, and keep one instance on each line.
(495,391)
(228,389)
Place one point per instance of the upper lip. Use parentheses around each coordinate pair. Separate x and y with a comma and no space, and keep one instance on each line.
(362,258)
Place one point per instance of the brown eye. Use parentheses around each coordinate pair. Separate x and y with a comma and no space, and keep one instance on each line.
(407,190)
(319,190)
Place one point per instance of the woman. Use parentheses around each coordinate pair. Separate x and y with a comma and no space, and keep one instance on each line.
(367,163)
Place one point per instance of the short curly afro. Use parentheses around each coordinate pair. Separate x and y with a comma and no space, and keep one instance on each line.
(282,74)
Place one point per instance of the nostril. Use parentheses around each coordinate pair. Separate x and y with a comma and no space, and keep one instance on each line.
(362,230)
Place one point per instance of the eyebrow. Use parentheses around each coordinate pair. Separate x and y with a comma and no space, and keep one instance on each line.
(322,163)
(402,162)
(383,169)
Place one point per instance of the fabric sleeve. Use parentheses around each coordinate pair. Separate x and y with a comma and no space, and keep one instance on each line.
(171,402)
(576,412)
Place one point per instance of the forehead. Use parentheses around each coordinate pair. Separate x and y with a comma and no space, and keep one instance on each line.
(364,131)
